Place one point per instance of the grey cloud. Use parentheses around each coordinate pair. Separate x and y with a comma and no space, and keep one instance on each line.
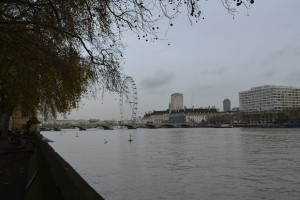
(157,81)
(293,78)
(217,71)
(203,87)
(269,74)
(270,60)
(278,54)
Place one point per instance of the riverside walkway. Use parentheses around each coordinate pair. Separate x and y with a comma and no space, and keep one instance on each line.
(33,170)
(14,164)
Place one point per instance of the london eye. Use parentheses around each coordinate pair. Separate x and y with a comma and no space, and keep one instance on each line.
(128,100)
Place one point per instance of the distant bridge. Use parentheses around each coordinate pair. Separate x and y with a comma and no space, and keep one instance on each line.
(81,128)
(167,125)
(105,127)
(127,125)
(110,127)
(151,126)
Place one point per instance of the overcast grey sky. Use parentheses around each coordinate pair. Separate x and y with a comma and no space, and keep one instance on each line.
(211,60)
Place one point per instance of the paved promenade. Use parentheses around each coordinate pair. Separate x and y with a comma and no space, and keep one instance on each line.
(32,170)
(14,164)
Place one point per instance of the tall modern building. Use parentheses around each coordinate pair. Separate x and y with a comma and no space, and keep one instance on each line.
(269,98)
(226,105)
(176,101)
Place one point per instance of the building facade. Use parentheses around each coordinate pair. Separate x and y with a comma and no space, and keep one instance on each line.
(226,105)
(199,115)
(21,121)
(189,115)
(176,101)
(156,117)
(269,98)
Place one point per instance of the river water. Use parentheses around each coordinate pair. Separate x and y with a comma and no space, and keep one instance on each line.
(190,163)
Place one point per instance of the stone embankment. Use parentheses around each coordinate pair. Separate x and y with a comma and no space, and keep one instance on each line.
(32,170)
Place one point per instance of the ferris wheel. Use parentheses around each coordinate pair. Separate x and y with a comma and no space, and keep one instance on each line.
(128,100)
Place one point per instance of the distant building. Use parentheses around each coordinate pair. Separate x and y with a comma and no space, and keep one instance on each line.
(156,117)
(269,98)
(177,116)
(21,121)
(196,115)
(71,122)
(226,105)
(235,109)
(189,115)
(176,101)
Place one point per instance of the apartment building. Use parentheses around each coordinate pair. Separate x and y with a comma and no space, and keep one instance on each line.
(269,98)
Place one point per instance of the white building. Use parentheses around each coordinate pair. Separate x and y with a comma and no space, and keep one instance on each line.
(156,117)
(189,115)
(269,98)
(199,115)
(176,101)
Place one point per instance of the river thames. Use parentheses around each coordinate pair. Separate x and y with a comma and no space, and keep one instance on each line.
(191,163)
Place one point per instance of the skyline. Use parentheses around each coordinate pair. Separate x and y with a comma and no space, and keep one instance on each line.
(211,60)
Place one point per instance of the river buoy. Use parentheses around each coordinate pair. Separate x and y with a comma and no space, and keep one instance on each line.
(130,140)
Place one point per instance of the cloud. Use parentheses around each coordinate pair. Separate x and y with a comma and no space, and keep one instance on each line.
(158,81)
(203,87)
(215,71)
(280,54)
(293,78)
(268,74)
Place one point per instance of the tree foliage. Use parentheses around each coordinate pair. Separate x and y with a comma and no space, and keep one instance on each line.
(53,51)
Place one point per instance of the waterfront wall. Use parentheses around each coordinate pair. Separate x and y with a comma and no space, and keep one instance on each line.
(51,177)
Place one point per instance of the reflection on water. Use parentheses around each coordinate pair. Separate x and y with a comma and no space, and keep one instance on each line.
(203,163)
